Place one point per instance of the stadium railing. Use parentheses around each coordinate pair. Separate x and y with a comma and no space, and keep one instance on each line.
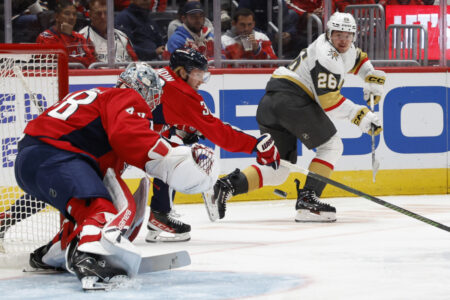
(407,42)
(370,22)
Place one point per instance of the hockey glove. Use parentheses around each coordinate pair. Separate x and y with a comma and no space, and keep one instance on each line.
(374,85)
(267,152)
(365,119)
(189,135)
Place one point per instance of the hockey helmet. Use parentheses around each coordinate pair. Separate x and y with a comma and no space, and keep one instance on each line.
(341,22)
(142,78)
(189,59)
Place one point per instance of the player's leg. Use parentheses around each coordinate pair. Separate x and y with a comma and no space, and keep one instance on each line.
(69,183)
(86,256)
(52,254)
(255,176)
(162,225)
(308,206)
(251,178)
(306,120)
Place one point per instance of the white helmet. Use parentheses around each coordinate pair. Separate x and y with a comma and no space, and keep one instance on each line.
(341,22)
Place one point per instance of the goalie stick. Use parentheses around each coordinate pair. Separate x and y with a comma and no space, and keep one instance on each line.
(344,187)
(149,264)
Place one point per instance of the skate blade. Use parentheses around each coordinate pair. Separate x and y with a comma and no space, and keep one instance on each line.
(154,236)
(211,208)
(306,216)
(91,283)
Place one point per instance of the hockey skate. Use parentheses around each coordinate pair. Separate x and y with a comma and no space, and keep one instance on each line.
(93,270)
(36,259)
(310,209)
(163,227)
(216,199)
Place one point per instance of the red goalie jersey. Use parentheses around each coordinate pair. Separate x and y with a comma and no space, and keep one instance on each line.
(110,125)
(182,105)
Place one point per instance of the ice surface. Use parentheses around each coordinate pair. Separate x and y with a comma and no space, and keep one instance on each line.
(259,252)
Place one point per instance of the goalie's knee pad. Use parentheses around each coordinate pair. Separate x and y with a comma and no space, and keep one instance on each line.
(330,151)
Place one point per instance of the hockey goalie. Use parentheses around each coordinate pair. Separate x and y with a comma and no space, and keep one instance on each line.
(72,156)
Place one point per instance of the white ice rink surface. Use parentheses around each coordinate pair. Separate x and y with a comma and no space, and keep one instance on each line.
(259,252)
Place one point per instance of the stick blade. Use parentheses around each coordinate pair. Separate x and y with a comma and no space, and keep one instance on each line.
(164,262)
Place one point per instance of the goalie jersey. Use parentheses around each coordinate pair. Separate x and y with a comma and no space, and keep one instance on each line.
(109,125)
(318,72)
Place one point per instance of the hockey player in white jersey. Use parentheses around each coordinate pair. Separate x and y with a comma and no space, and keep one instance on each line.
(300,101)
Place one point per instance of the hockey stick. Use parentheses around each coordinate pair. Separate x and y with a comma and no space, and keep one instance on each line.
(375,162)
(164,262)
(149,264)
(33,96)
(344,187)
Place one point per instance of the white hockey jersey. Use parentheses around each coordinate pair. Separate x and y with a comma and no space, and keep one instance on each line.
(319,70)
(124,49)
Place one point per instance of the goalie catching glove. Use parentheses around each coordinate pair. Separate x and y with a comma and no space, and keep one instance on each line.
(266,151)
(373,84)
(189,170)
(366,120)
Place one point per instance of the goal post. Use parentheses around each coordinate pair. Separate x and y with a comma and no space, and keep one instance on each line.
(32,78)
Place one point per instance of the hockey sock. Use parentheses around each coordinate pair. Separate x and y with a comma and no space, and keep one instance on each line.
(163,196)
(253,178)
(322,168)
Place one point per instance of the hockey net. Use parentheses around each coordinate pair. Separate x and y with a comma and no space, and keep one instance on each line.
(32,78)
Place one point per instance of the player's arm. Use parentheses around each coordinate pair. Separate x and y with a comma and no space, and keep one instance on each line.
(328,85)
(373,79)
(126,121)
(196,114)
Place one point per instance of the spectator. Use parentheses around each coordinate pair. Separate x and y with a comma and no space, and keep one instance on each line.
(97,33)
(120,5)
(79,48)
(340,5)
(405,2)
(155,5)
(289,36)
(305,9)
(136,23)
(242,41)
(193,33)
(177,22)
(158,5)
(25,22)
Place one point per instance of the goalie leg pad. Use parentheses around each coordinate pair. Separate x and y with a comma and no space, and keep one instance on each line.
(140,197)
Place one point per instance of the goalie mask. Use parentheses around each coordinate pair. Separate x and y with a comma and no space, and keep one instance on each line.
(143,79)
(341,22)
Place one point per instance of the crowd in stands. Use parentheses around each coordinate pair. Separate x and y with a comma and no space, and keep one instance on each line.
(141,34)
